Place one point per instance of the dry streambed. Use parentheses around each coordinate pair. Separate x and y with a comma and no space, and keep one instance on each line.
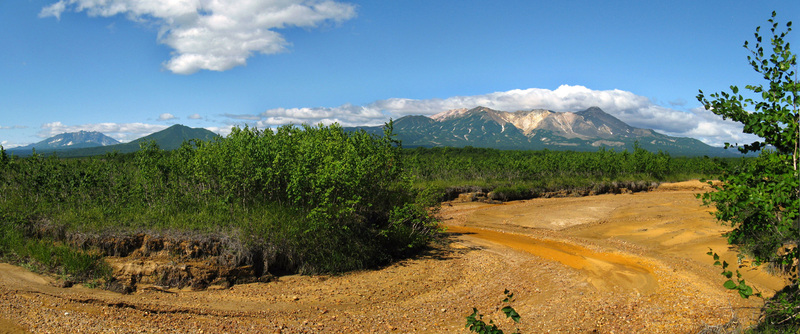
(611,263)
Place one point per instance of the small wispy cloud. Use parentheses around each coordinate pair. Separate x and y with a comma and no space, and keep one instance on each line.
(195,116)
(214,35)
(677,103)
(166,117)
(12,127)
(245,117)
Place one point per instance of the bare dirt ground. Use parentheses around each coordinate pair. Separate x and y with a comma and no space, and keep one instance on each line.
(609,263)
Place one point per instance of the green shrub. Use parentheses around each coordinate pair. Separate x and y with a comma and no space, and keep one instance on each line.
(779,314)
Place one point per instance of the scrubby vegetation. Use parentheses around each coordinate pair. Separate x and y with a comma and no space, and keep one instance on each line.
(511,175)
(300,199)
(309,199)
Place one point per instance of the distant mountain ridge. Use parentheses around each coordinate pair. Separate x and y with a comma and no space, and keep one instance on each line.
(71,140)
(537,129)
(168,139)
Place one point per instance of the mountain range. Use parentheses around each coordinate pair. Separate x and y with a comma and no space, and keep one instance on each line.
(71,140)
(538,129)
(82,144)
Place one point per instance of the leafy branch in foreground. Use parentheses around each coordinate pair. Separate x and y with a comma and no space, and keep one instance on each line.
(476,324)
(761,201)
(745,291)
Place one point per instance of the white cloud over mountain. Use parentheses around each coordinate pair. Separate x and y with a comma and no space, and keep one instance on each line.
(6,144)
(637,111)
(214,35)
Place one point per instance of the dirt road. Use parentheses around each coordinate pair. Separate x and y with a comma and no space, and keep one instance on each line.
(611,263)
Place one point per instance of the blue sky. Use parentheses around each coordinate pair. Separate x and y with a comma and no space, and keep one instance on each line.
(128,68)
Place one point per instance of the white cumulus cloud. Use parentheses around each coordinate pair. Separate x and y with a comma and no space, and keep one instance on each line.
(637,111)
(214,35)
(8,144)
(220,130)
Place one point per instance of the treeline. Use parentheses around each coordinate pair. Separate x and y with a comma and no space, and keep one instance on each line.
(526,174)
(301,199)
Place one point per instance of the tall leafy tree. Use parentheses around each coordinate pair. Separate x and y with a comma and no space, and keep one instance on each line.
(760,201)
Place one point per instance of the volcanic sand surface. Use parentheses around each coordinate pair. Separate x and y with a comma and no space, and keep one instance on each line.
(611,263)
(604,271)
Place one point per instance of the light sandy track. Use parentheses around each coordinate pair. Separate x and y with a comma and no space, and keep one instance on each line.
(611,263)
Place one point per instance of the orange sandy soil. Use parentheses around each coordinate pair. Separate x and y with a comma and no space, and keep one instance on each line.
(609,263)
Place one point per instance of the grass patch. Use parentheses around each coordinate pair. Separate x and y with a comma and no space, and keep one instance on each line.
(49,256)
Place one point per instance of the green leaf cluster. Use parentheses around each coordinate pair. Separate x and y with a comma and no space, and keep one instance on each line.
(739,284)
(476,324)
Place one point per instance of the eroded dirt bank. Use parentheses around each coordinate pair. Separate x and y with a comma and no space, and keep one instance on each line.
(611,263)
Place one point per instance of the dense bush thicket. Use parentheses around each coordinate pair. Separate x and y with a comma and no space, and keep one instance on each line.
(306,199)
(525,174)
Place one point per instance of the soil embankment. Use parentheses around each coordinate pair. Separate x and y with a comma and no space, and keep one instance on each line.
(611,263)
